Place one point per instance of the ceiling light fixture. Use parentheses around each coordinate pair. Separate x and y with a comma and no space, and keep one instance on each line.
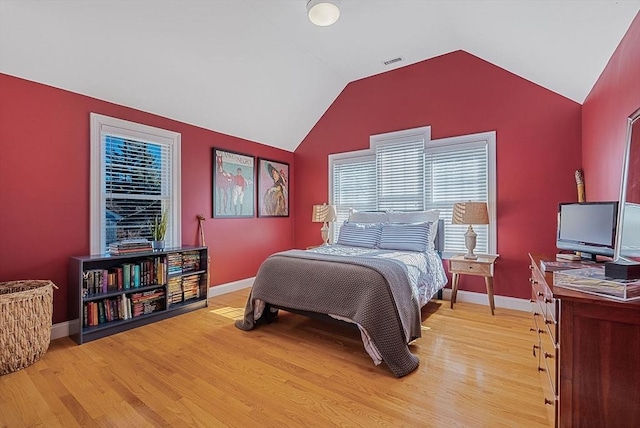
(323,12)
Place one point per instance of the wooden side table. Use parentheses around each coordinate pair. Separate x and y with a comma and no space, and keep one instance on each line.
(482,266)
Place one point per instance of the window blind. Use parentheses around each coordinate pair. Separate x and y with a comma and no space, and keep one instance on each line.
(457,173)
(353,187)
(400,176)
(137,183)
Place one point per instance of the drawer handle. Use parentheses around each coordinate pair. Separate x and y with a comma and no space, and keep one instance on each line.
(540,293)
(547,401)
(532,329)
(541,369)
(548,355)
(536,314)
(548,301)
(534,350)
(549,322)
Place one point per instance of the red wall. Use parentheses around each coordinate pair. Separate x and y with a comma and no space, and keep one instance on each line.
(611,101)
(538,147)
(44,188)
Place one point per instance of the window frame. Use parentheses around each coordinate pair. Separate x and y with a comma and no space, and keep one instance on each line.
(475,140)
(424,133)
(100,125)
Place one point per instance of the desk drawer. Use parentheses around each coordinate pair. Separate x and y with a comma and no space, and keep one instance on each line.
(470,268)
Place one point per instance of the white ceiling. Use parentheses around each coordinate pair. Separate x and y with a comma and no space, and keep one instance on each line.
(259,70)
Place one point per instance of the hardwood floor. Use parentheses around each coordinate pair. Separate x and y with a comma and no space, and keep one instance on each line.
(197,369)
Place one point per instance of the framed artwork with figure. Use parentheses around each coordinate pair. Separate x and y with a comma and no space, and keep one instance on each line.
(233,185)
(273,188)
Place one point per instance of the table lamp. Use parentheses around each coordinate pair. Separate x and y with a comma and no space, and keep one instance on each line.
(323,214)
(470,213)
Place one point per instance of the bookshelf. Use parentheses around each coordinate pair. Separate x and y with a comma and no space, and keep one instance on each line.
(113,293)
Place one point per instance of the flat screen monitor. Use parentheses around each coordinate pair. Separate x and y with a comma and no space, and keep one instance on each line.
(587,227)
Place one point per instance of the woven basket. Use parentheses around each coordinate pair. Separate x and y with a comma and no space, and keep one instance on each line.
(25,322)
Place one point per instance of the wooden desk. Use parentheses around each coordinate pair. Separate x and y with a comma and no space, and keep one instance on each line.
(482,266)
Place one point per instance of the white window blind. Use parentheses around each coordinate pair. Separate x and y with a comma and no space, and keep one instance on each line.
(353,187)
(135,177)
(406,172)
(400,175)
(136,187)
(457,173)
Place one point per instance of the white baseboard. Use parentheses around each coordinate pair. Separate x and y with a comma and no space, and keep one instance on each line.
(64,329)
(482,299)
(230,287)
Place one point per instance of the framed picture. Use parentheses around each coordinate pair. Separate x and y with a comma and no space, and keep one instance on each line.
(233,185)
(273,188)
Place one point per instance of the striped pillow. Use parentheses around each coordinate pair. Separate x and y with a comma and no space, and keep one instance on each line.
(406,237)
(359,235)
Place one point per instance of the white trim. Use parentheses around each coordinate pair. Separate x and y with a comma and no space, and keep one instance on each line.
(504,302)
(422,133)
(64,329)
(67,328)
(472,139)
(230,287)
(100,124)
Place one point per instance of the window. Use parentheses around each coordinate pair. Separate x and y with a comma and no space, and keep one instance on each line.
(407,171)
(462,169)
(135,177)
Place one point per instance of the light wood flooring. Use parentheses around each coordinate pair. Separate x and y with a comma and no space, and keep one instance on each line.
(197,369)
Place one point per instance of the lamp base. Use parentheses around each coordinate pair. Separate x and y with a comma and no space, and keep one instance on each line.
(470,238)
(324,231)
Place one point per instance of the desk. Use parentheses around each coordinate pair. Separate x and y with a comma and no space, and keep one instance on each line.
(482,266)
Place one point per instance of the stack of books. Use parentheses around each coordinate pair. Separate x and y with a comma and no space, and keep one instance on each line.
(147,302)
(174,263)
(191,286)
(174,290)
(130,246)
(190,261)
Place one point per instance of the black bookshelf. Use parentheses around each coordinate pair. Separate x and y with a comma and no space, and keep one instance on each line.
(114,293)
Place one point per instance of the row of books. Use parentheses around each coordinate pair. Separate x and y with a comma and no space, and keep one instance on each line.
(130,246)
(151,271)
(183,262)
(180,289)
(122,307)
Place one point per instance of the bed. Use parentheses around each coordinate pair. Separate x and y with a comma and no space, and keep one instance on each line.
(382,270)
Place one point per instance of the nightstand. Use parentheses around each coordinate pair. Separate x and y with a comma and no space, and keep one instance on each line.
(482,266)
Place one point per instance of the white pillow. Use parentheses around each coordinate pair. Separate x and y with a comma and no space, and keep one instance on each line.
(414,216)
(368,217)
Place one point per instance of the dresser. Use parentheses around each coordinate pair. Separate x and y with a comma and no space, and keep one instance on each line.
(587,351)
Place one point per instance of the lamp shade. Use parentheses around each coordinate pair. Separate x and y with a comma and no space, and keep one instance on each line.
(323,12)
(323,213)
(470,213)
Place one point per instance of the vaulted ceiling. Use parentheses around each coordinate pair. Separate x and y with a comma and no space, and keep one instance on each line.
(259,70)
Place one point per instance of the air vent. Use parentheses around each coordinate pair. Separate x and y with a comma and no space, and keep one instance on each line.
(391,61)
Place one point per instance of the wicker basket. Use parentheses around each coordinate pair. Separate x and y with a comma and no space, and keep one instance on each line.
(25,322)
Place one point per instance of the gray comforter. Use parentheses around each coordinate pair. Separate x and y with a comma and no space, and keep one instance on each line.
(375,293)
